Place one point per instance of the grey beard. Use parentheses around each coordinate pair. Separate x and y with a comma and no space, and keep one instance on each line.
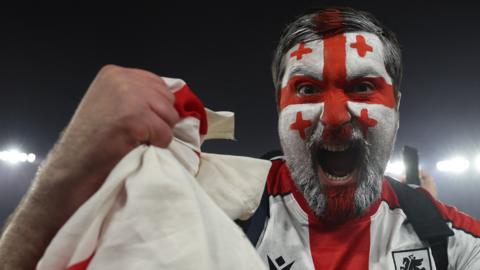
(303,168)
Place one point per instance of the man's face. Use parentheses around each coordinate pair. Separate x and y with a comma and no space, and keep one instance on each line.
(338,120)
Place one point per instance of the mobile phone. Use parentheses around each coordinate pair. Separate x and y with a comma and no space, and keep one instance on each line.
(410,159)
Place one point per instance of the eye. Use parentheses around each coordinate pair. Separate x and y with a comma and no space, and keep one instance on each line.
(363,87)
(307,89)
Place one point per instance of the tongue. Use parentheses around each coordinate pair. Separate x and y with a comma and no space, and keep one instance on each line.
(337,163)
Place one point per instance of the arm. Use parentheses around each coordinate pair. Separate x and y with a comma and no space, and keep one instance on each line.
(426,182)
(464,245)
(121,109)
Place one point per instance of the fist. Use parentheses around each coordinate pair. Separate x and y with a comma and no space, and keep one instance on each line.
(122,108)
(132,104)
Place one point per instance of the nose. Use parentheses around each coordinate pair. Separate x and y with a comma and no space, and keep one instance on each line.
(335,111)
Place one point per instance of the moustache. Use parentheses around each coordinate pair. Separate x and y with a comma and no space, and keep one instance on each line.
(339,151)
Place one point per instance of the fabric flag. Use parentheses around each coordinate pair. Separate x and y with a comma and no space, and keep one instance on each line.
(169,208)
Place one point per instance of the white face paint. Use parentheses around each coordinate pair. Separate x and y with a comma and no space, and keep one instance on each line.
(338,121)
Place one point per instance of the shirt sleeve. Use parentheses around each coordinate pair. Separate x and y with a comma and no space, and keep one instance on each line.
(464,245)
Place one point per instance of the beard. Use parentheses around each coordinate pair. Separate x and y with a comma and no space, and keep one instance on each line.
(338,203)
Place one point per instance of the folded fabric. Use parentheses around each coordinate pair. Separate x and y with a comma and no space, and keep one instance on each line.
(168,208)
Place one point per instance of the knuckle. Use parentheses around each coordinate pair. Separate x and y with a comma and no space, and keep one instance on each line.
(133,126)
(169,114)
(111,75)
(176,116)
(108,69)
(166,137)
(122,86)
(168,95)
(162,83)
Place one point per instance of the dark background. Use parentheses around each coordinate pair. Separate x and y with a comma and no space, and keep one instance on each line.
(49,55)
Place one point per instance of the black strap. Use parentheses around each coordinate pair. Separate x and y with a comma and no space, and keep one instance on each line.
(440,253)
(253,228)
(426,220)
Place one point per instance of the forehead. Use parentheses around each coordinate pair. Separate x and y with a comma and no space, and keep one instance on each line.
(360,54)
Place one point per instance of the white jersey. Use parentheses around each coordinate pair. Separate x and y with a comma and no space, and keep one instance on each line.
(380,239)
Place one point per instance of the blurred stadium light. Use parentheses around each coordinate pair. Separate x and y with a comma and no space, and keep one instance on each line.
(477,163)
(395,168)
(13,156)
(455,165)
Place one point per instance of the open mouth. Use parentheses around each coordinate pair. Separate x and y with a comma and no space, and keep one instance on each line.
(337,164)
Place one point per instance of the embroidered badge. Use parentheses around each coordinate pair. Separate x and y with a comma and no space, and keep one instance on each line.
(278,264)
(412,259)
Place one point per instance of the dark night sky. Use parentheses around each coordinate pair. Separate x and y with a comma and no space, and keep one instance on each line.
(48,59)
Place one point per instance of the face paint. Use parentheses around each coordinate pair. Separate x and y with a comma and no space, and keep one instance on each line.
(338,121)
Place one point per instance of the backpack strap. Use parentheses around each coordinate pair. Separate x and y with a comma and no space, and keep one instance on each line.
(426,220)
(254,226)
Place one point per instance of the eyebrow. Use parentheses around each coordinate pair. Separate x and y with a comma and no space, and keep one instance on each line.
(304,71)
(365,72)
(368,71)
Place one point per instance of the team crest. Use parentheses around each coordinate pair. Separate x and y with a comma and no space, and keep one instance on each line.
(412,259)
(279,264)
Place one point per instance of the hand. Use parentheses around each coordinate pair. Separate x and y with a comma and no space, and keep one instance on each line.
(122,108)
(426,182)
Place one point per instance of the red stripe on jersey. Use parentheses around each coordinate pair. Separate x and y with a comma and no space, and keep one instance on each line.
(340,246)
(330,245)
(81,265)
(278,180)
(389,195)
(345,246)
(459,219)
(188,104)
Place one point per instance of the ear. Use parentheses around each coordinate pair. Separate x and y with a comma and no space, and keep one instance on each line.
(398,98)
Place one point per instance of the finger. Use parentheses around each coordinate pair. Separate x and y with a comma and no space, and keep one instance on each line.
(425,177)
(428,183)
(160,133)
(165,92)
(165,111)
(156,83)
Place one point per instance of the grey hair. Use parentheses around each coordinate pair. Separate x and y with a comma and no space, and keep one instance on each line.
(330,21)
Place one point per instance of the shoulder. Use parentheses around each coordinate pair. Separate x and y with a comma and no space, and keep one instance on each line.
(450,214)
(464,245)
(279,180)
(458,219)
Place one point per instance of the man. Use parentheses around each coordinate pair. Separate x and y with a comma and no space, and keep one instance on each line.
(337,73)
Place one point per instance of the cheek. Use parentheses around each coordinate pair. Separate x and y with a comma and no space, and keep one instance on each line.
(296,124)
(379,122)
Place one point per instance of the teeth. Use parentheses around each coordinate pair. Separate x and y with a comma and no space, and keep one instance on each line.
(335,148)
(337,178)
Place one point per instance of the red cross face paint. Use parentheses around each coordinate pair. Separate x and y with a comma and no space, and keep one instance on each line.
(338,120)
